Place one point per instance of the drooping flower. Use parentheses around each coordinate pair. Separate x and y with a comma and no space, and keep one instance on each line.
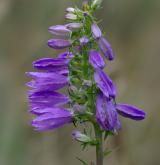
(130,111)
(52,118)
(104,83)
(59,30)
(59,43)
(40,100)
(96,60)
(96,31)
(106,114)
(106,48)
(46,81)
(50,63)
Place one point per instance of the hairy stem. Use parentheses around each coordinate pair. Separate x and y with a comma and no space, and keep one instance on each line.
(99,146)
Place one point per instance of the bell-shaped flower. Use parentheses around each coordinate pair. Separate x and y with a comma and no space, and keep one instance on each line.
(52,118)
(46,81)
(106,114)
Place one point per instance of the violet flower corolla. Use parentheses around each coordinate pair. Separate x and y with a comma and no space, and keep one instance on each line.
(91,93)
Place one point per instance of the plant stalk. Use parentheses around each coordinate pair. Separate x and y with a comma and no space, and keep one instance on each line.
(99,147)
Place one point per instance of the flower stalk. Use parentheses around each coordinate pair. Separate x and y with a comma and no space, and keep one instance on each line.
(91,92)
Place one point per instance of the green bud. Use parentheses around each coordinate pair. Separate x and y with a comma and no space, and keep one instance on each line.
(96,4)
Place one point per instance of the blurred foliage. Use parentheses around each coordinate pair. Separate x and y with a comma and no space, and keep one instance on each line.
(132,27)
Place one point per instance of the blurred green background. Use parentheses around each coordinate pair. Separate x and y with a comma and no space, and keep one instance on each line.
(133,29)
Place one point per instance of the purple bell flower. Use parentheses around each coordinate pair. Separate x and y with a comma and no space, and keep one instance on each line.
(130,111)
(52,118)
(96,31)
(59,30)
(47,81)
(105,84)
(58,43)
(43,99)
(106,48)
(96,60)
(106,114)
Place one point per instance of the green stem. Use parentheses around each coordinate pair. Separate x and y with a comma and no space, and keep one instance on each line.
(99,146)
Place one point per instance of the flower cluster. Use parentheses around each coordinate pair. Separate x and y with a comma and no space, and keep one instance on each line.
(92,93)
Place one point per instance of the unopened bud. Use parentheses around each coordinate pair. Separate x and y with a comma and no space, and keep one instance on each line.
(77,135)
(96,4)
(71,16)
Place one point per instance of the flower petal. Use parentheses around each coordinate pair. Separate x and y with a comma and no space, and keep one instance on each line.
(53,118)
(42,99)
(96,31)
(106,114)
(104,83)
(47,81)
(50,63)
(130,111)
(58,43)
(96,60)
(59,30)
(106,48)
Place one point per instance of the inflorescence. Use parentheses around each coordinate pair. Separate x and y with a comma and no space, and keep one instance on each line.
(91,92)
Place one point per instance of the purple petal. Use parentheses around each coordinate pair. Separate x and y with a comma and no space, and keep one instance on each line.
(53,118)
(59,30)
(58,43)
(131,112)
(96,60)
(106,114)
(41,99)
(104,83)
(106,48)
(96,31)
(50,63)
(47,81)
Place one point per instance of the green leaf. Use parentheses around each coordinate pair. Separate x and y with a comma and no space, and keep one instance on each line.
(82,161)
(106,152)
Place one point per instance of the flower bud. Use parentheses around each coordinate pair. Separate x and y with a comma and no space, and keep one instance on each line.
(74,26)
(96,31)
(70,10)
(96,4)
(59,30)
(58,43)
(71,16)
(106,48)
(77,135)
